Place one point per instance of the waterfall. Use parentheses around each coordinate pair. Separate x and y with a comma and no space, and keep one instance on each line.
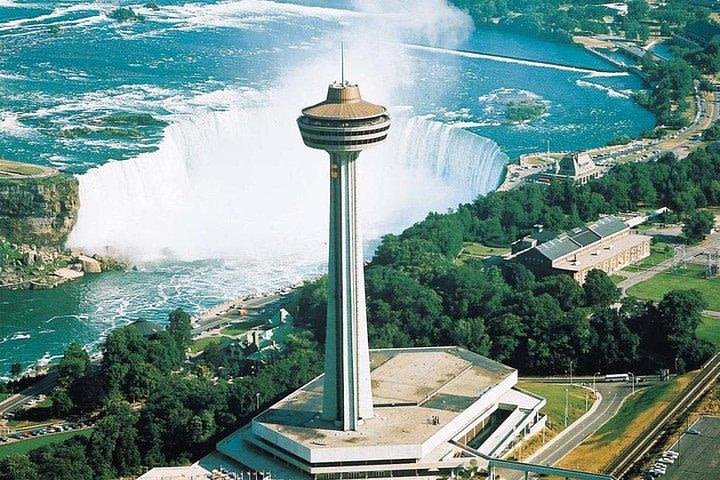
(240,184)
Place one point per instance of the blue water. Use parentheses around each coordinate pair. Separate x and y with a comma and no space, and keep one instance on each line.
(222,81)
(662,50)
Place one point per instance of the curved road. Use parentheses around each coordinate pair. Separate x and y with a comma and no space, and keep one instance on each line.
(612,396)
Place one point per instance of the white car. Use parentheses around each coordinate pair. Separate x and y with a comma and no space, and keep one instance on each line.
(672,454)
(667,460)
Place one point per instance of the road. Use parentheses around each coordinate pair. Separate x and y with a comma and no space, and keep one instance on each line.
(43,386)
(209,320)
(612,396)
(645,441)
(713,241)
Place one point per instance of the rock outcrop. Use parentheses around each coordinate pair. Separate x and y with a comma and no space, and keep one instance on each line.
(89,264)
(38,211)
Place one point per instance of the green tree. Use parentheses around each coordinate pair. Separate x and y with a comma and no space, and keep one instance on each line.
(73,365)
(64,461)
(471,334)
(506,333)
(113,449)
(180,328)
(62,404)
(312,306)
(679,315)
(600,291)
(16,369)
(613,346)
(697,225)
(564,289)
(18,467)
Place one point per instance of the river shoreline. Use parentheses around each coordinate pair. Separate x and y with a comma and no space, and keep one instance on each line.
(87,309)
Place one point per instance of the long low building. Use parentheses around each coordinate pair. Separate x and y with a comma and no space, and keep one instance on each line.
(606,245)
(436,409)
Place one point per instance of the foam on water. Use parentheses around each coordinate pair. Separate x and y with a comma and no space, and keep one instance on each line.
(518,61)
(238,184)
(611,92)
(248,14)
(10,124)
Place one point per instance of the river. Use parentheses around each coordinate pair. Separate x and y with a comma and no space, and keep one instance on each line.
(181,131)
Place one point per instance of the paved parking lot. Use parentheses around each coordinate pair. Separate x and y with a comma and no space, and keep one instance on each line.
(699,454)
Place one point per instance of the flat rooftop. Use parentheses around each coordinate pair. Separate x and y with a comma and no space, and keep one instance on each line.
(699,454)
(595,257)
(410,387)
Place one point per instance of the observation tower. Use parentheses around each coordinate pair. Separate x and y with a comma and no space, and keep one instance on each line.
(405,413)
(344,125)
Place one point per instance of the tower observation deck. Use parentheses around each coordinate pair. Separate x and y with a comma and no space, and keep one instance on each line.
(344,125)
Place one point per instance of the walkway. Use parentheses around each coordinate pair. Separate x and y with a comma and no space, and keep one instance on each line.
(713,241)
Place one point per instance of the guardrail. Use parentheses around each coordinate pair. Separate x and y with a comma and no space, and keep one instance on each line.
(649,436)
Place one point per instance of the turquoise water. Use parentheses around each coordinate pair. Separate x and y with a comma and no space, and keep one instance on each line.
(204,183)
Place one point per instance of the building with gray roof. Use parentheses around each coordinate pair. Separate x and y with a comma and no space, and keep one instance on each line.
(578,167)
(606,244)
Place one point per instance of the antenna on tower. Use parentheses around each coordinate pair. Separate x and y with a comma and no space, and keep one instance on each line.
(342,63)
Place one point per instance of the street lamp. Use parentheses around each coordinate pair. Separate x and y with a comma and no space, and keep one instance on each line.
(595,389)
(566,407)
(571,375)
(633,382)
(257,400)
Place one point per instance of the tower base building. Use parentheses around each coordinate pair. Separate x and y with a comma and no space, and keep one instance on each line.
(435,409)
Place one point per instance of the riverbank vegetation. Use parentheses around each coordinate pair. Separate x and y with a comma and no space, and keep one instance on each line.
(562,19)
(672,93)
(418,295)
(151,406)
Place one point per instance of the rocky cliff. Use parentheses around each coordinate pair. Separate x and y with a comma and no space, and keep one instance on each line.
(38,211)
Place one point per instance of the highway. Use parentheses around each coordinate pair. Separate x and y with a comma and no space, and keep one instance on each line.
(611,398)
(44,386)
(634,453)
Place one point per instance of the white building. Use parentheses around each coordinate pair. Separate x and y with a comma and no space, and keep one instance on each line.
(435,409)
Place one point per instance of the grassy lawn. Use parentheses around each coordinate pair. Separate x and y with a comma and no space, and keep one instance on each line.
(659,252)
(709,330)
(635,414)
(555,408)
(683,279)
(202,343)
(617,278)
(236,329)
(479,251)
(4,396)
(18,168)
(24,446)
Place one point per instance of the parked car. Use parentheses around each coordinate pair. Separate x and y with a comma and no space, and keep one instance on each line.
(692,431)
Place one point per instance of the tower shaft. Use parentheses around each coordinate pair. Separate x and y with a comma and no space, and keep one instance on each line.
(347,397)
(344,125)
